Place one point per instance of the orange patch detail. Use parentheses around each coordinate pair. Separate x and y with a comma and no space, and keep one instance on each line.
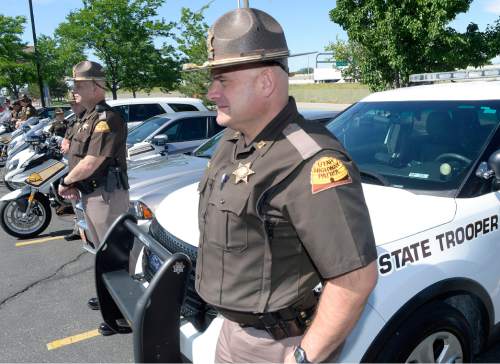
(328,172)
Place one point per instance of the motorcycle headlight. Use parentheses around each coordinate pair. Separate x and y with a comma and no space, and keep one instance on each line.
(140,210)
(13,165)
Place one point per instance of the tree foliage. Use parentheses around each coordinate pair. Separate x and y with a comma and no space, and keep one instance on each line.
(57,57)
(192,45)
(395,38)
(16,62)
(120,33)
(350,52)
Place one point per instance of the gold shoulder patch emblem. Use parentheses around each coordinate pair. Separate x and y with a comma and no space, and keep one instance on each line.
(328,172)
(102,127)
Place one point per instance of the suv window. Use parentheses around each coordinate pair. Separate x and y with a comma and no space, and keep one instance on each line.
(183,107)
(215,128)
(141,112)
(426,146)
(122,110)
(186,129)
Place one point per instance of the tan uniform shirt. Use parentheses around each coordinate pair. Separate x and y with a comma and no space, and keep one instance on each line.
(101,132)
(279,215)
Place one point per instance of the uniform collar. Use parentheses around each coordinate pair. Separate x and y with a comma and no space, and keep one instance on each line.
(263,141)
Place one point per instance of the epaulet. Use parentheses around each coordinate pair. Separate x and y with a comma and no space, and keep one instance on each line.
(100,108)
(102,115)
(303,142)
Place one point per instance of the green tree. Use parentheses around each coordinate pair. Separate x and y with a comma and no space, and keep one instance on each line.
(57,57)
(118,31)
(350,52)
(16,60)
(399,37)
(192,44)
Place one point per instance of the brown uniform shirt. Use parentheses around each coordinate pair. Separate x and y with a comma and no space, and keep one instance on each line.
(73,126)
(58,128)
(278,216)
(101,132)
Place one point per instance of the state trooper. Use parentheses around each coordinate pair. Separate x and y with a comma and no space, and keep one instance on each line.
(72,127)
(97,160)
(281,209)
(59,126)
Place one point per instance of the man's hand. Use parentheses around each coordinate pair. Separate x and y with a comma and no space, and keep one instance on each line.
(341,304)
(65,146)
(68,193)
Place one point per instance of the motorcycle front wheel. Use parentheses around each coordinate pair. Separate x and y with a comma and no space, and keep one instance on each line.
(18,222)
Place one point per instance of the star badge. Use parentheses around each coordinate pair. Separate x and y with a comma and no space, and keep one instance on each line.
(178,267)
(242,172)
(85,126)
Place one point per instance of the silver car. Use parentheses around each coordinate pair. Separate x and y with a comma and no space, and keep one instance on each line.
(181,132)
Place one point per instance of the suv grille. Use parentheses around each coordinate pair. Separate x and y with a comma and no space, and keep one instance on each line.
(193,306)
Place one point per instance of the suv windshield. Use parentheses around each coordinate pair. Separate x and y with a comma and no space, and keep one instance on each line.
(417,145)
(141,132)
(207,149)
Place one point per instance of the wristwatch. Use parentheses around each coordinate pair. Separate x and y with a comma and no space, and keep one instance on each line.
(300,355)
(61,182)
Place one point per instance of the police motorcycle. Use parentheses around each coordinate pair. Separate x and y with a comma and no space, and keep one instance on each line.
(26,212)
(20,149)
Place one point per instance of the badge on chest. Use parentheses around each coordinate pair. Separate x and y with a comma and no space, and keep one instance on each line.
(242,173)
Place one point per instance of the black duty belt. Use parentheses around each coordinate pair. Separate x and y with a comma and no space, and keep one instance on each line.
(90,185)
(287,322)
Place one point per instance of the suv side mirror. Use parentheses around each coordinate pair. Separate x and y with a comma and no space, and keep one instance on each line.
(160,140)
(494,164)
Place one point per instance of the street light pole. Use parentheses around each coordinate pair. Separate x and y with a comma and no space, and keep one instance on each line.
(37,58)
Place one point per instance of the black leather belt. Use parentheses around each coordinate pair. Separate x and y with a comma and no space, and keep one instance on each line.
(88,186)
(287,322)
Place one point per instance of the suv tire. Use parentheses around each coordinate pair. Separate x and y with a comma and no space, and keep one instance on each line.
(434,333)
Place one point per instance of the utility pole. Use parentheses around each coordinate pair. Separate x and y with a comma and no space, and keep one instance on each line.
(37,58)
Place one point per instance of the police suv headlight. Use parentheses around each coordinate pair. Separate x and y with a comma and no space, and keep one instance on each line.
(140,210)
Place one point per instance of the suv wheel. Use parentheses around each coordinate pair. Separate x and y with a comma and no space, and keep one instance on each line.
(435,333)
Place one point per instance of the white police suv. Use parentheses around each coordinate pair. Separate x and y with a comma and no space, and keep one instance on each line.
(430,162)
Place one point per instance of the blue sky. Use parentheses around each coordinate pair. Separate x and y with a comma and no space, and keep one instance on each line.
(306,23)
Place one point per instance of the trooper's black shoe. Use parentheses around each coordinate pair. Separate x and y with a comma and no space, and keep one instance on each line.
(93,304)
(105,330)
(71,237)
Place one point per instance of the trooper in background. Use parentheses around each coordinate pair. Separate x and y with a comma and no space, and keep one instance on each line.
(73,125)
(5,112)
(59,126)
(97,160)
(281,210)
(27,111)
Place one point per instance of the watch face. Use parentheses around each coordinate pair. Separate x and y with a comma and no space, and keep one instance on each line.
(300,355)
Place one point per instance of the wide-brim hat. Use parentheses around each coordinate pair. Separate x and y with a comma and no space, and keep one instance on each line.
(244,36)
(88,71)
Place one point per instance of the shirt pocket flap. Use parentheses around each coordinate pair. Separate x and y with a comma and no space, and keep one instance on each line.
(231,199)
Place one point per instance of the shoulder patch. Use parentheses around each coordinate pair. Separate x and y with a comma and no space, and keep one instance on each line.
(328,172)
(102,127)
(303,142)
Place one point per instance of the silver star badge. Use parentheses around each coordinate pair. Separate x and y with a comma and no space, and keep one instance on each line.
(242,172)
(85,126)
(178,267)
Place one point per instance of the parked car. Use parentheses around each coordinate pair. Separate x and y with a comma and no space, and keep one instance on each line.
(136,110)
(184,131)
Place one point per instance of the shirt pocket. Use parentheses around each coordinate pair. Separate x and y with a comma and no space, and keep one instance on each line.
(229,208)
(80,143)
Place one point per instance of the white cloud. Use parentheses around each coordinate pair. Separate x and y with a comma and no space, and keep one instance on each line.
(493,6)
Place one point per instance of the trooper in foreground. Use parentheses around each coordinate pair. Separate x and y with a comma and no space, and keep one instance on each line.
(97,160)
(281,209)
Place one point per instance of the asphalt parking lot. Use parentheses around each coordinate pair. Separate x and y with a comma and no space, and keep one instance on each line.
(44,286)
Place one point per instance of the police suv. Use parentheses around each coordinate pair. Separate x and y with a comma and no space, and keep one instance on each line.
(429,157)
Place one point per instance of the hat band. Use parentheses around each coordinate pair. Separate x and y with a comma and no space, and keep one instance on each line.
(89,79)
(236,60)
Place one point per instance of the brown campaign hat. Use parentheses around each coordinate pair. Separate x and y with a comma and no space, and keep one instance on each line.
(244,36)
(88,71)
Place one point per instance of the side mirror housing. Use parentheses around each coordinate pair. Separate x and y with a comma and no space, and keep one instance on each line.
(160,140)
(494,164)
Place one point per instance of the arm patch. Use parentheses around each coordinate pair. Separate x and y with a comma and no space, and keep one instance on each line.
(102,127)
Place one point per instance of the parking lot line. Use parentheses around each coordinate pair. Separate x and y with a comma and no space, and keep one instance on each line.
(56,344)
(38,241)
